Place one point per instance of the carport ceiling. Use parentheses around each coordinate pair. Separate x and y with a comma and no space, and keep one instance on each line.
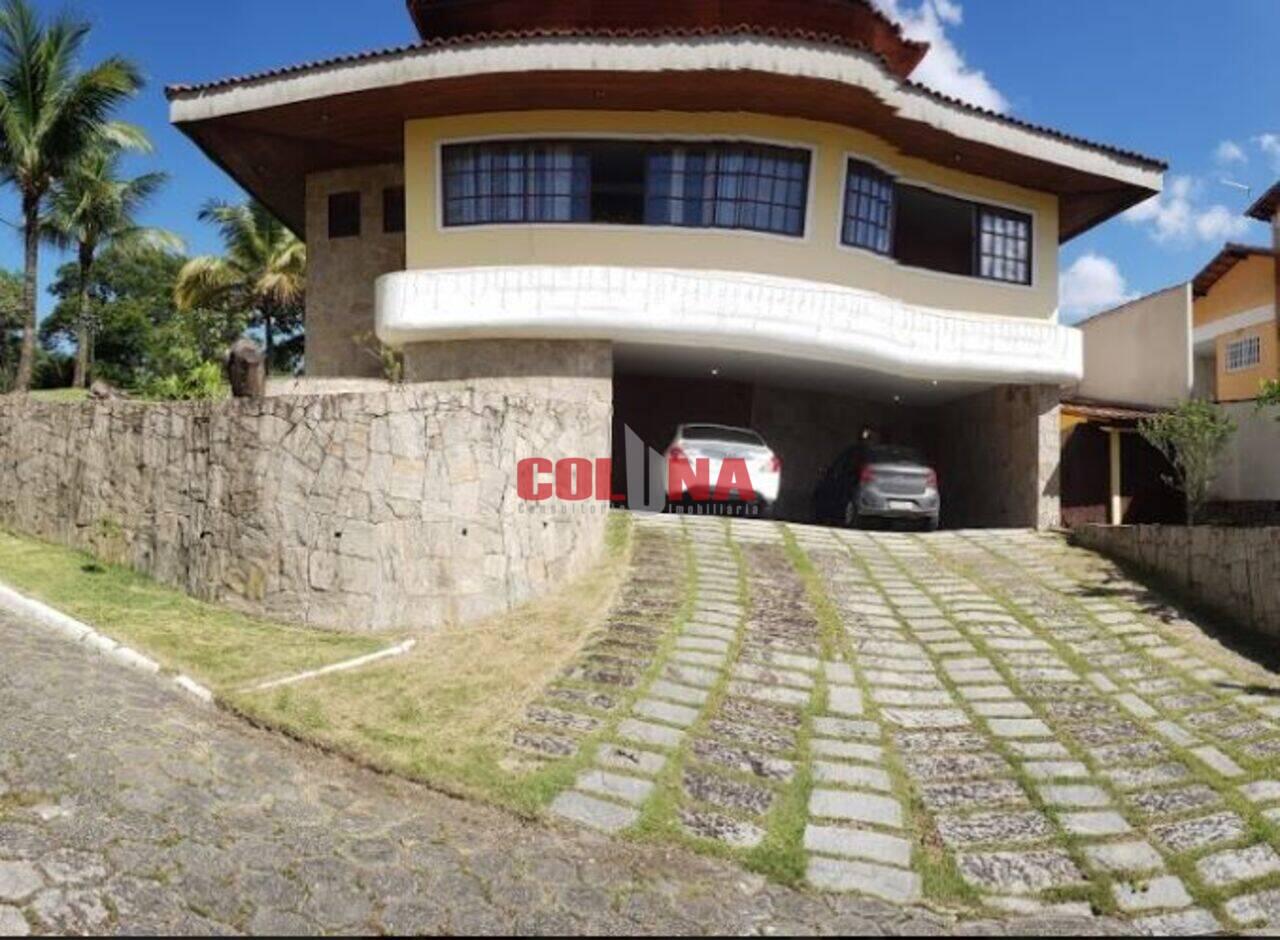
(687,362)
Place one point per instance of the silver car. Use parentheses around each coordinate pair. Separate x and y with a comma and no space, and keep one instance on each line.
(879,482)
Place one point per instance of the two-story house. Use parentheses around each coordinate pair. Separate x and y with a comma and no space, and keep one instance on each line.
(744,212)
(1234,322)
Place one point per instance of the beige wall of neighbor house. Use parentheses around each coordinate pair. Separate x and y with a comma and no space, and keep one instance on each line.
(1250,469)
(341,271)
(1247,286)
(818,256)
(1141,353)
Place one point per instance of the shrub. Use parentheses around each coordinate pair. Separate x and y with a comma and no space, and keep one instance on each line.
(1192,438)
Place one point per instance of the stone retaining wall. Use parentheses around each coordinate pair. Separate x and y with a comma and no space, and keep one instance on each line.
(1235,571)
(357,512)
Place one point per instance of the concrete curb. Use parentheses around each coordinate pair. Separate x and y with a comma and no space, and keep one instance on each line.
(398,650)
(57,622)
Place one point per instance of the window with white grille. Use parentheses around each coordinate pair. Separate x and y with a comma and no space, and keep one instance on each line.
(1244,353)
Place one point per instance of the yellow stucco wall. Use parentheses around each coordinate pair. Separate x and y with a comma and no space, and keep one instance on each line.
(818,256)
(1249,285)
(1243,385)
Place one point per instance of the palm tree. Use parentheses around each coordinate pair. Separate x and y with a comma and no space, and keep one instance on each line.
(264,269)
(93,207)
(50,113)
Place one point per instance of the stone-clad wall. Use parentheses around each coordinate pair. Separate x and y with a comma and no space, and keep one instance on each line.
(1235,571)
(357,512)
(1000,455)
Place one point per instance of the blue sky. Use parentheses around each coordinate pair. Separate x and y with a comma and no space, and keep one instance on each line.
(1190,81)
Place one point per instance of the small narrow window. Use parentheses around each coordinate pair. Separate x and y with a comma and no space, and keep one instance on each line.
(393,210)
(1004,248)
(1244,353)
(868,208)
(344,215)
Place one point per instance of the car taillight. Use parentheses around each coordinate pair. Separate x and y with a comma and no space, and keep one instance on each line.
(868,475)
(676,453)
(773,464)
(932,480)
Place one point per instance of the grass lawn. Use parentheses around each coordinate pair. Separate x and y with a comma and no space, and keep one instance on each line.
(444,713)
(218,647)
(60,394)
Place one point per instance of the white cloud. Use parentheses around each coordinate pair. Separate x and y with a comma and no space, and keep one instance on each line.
(1092,284)
(1177,217)
(1269,144)
(1220,224)
(944,68)
(1229,152)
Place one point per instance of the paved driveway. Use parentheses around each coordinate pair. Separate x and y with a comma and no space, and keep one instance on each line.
(990,719)
(124,808)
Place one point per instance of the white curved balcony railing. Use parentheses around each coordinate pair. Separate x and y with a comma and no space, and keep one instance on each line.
(779,317)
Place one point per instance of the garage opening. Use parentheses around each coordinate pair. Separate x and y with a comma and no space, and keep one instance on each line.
(985,443)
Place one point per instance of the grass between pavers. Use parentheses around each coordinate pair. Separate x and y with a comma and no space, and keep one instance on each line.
(216,646)
(1258,828)
(940,878)
(443,714)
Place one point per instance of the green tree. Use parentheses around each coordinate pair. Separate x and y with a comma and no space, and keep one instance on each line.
(142,340)
(50,113)
(92,208)
(1192,438)
(263,271)
(10,324)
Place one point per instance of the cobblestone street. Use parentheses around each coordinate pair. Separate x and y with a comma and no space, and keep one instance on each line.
(928,728)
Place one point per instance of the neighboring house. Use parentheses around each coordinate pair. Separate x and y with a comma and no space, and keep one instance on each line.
(1215,337)
(743,213)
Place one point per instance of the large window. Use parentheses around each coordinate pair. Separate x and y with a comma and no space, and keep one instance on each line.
(516,182)
(1244,353)
(763,189)
(921,228)
(704,185)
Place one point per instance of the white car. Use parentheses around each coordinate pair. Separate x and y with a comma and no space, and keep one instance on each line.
(703,449)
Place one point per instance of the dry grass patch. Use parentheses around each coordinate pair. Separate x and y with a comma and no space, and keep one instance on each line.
(444,713)
(219,647)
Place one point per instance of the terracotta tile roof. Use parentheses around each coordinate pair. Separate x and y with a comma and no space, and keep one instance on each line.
(1222,263)
(1264,210)
(181,90)
(1106,411)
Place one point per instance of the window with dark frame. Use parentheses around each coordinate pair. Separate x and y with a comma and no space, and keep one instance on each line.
(728,185)
(705,185)
(868,208)
(517,182)
(393,210)
(921,228)
(1004,246)
(344,215)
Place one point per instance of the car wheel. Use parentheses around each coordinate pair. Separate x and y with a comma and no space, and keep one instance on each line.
(931,525)
(852,517)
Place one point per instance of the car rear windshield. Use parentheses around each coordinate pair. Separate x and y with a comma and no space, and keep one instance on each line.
(712,432)
(890,453)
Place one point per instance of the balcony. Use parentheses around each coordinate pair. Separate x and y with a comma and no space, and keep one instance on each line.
(792,322)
